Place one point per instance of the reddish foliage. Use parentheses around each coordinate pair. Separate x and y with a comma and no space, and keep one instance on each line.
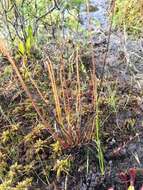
(132,173)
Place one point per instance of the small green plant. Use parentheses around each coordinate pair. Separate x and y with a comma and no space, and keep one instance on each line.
(10,180)
(24,48)
(130,124)
(112,99)
(62,166)
(39,145)
(56,147)
(98,141)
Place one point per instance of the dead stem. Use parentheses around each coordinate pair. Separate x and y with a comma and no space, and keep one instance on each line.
(93,72)
(78,97)
(54,89)
(66,101)
(108,43)
(56,98)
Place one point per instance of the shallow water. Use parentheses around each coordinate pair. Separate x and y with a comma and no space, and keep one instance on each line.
(99,16)
(101,13)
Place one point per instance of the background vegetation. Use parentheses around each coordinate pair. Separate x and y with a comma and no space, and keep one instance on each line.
(129,15)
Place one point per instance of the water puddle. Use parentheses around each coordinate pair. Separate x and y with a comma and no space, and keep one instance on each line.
(98,13)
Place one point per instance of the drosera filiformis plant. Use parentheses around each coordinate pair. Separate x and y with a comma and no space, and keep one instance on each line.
(72,98)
